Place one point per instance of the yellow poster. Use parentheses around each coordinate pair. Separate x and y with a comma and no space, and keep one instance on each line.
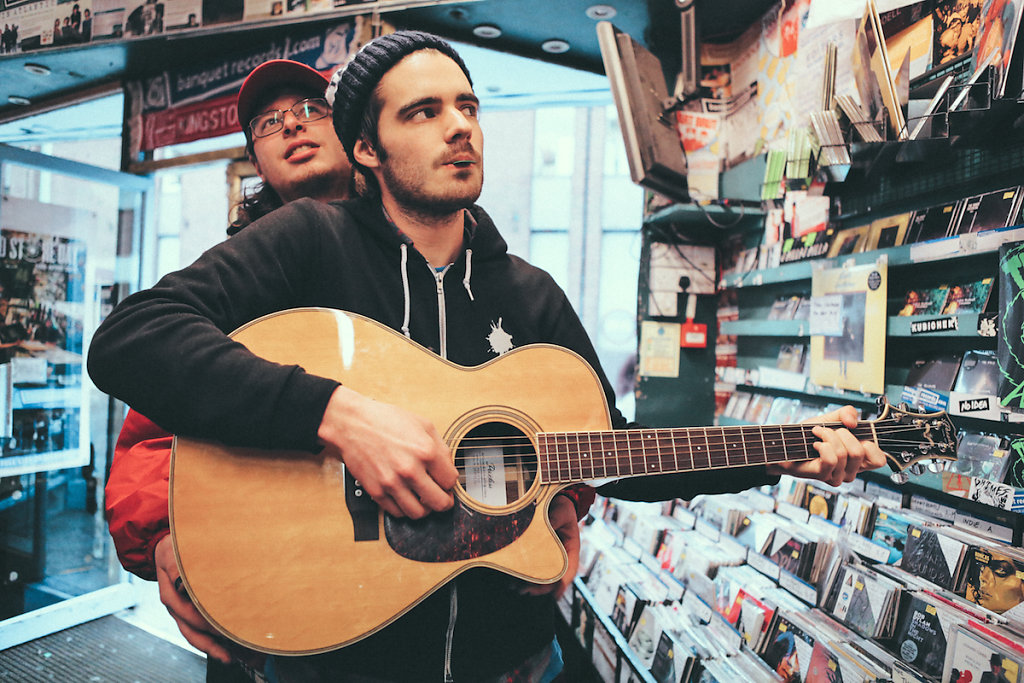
(848,320)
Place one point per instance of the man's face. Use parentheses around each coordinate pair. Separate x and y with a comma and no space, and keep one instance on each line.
(999,587)
(304,159)
(429,156)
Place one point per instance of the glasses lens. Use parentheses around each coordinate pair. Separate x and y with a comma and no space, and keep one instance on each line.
(267,124)
(311,109)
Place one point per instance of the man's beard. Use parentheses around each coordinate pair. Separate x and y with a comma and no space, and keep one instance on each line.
(410,192)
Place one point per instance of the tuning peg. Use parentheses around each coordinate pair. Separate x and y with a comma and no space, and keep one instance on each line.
(937,466)
(899,477)
(917,469)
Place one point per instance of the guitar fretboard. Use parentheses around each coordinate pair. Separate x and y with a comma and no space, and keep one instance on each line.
(567,457)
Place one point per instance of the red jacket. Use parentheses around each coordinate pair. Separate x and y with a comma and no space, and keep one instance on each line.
(137,493)
(138,486)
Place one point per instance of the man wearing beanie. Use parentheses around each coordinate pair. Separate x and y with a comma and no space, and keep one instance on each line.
(417,255)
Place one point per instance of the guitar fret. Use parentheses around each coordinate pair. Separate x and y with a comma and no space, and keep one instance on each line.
(563,457)
(803,434)
(731,439)
(772,445)
(759,455)
(764,446)
(718,454)
(689,448)
(589,460)
(637,466)
(699,451)
(675,451)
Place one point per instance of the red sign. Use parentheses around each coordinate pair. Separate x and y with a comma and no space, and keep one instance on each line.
(190,122)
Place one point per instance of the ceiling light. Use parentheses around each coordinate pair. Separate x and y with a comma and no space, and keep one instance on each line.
(37,69)
(599,12)
(555,47)
(19,100)
(486,31)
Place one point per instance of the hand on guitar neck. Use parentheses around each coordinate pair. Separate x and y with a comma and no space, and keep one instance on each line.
(841,456)
(397,457)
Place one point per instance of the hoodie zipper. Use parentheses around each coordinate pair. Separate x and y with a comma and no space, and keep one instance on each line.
(442,322)
(453,601)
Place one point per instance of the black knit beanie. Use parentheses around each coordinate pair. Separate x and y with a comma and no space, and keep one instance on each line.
(351,86)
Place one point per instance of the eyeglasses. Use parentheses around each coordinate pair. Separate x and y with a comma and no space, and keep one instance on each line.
(269,122)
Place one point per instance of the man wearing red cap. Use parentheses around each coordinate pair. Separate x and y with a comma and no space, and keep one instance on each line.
(291,140)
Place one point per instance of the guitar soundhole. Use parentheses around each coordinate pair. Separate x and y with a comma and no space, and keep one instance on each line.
(497,464)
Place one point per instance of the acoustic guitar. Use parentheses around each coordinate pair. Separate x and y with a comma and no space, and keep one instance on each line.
(284,553)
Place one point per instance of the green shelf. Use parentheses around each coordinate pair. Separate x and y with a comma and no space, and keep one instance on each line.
(766,328)
(960,246)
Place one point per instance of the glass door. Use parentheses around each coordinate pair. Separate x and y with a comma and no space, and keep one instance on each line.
(70,245)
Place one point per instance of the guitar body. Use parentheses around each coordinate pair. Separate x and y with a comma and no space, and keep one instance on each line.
(284,554)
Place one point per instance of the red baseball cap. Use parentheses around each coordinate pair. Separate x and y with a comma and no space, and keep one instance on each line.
(275,73)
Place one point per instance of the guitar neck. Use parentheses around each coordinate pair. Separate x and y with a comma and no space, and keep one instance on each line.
(570,457)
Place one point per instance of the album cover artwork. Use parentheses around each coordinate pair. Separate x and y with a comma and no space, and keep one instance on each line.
(847,326)
(789,552)
(935,372)
(789,651)
(791,357)
(995,581)
(858,599)
(982,455)
(850,241)
(934,222)
(820,501)
(890,231)
(891,528)
(991,210)
(976,658)
(932,556)
(979,374)
(929,301)
(922,633)
(968,297)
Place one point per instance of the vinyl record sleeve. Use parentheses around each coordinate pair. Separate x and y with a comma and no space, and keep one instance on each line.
(979,374)
(990,210)
(922,634)
(927,301)
(934,557)
(934,371)
(935,222)
(975,658)
(995,580)
(968,297)
(848,327)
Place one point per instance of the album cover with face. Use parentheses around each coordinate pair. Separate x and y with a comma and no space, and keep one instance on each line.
(789,650)
(995,580)
(974,657)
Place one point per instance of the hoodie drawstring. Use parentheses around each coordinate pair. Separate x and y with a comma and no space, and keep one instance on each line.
(405,288)
(469,269)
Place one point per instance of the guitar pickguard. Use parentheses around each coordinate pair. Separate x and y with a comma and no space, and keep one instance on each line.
(460,533)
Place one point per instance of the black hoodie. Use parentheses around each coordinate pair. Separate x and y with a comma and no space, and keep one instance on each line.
(165,352)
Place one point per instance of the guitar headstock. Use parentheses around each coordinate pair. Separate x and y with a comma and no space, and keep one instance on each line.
(907,438)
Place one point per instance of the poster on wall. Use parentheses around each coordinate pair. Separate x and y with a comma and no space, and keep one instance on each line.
(197,102)
(42,304)
(847,324)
